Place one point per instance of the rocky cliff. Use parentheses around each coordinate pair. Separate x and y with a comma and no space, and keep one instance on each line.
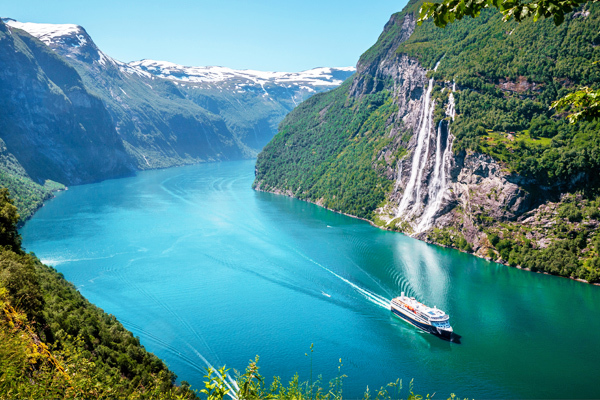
(167,114)
(439,137)
(49,121)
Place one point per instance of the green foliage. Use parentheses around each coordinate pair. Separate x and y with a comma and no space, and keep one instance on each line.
(572,245)
(9,217)
(450,10)
(328,150)
(28,195)
(451,238)
(583,104)
(571,212)
(253,386)
(215,385)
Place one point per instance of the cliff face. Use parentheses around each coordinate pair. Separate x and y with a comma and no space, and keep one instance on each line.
(168,114)
(51,124)
(157,126)
(451,146)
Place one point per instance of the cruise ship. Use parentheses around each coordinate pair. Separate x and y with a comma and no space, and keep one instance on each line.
(429,319)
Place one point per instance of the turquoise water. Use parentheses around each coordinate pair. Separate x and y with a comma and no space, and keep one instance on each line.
(206,271)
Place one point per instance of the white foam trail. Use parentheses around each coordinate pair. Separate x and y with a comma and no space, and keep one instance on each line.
(372,297)
(231,385)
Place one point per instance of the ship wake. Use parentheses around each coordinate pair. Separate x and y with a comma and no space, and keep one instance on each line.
(367,294)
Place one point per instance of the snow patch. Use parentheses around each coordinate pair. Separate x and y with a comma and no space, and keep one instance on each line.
(49,33)
(214,74)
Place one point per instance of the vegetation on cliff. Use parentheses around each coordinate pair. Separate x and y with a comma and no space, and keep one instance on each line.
(324,152)
(507,76)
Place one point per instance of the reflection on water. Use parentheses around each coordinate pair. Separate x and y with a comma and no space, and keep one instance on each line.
(208,272)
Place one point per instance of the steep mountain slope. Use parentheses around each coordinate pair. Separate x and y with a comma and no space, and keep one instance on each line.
(158,126)
(72,114)
(252,103)
(49,121)
(171,115)
(446,135)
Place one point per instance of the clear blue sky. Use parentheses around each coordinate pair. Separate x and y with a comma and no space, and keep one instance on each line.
(282,35)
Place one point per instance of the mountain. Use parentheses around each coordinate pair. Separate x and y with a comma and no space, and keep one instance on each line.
(72,114)
(51,126)
(158,126)
(252,103)
(446,135)
(171,115)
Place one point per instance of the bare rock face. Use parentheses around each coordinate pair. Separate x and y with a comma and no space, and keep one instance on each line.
(50,123)
(434,188)
(483,184)
(373,74)
(407,76)
(481,189)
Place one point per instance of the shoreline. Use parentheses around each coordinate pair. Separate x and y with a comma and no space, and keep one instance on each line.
(425,241)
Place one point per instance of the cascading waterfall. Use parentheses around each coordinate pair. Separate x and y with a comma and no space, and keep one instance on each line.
(435,185)
(420,156)
(443,156)
(438,185)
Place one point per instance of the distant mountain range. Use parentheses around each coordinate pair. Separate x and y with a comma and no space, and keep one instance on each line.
(73,114)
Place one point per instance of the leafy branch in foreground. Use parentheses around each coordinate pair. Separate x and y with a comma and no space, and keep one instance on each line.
(450,10)
(583,104)
(252,386)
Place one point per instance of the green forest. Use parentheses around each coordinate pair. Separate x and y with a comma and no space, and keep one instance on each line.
(324,152)
(330,150)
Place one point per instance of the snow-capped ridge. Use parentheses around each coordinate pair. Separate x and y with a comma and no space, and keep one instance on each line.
(73,41)
(49,33)
(321,76)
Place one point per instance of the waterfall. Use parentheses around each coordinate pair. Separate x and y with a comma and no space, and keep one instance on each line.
(420,156)
(437,184)
(451,110)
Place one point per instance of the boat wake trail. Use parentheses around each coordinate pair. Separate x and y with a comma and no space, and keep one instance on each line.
(228,380)
(370,296)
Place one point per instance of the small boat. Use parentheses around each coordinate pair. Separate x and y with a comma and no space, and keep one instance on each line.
(432,320)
